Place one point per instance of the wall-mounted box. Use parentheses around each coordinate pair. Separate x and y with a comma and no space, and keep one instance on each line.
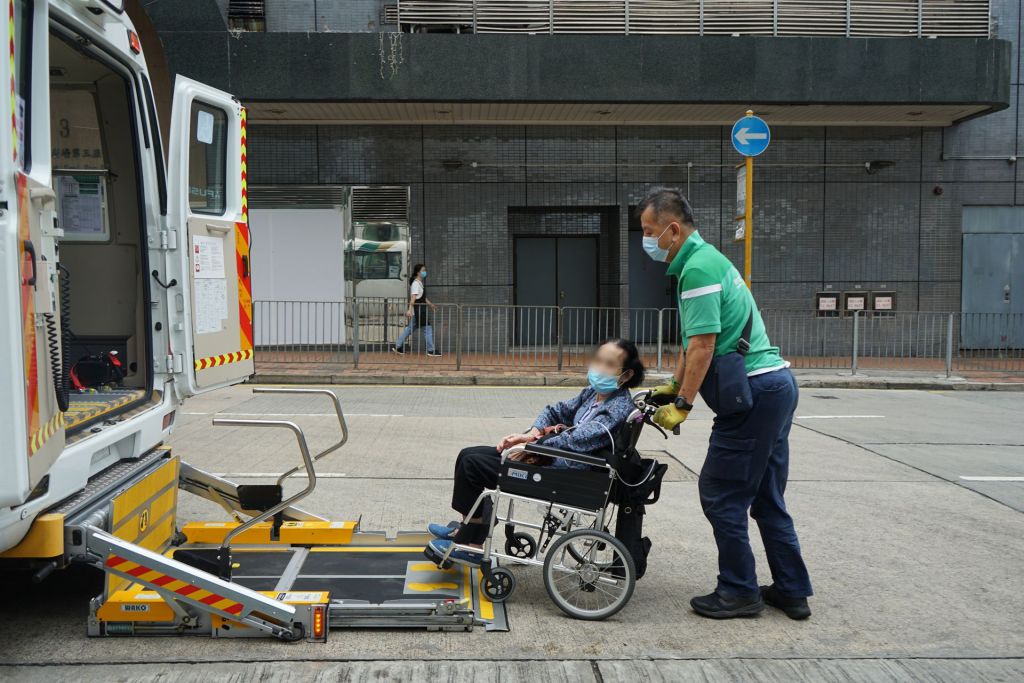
(883,303)
(854,301)
(826,304)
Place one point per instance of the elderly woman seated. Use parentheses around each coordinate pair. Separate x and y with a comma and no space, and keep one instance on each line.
(581,424)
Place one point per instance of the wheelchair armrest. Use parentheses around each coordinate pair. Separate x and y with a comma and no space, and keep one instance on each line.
(584,458)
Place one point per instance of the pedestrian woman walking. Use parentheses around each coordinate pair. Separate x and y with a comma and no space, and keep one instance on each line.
(418,312)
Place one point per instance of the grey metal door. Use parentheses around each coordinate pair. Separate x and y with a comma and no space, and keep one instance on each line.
(577,271)
(649,287)
(552,271)
(989,293)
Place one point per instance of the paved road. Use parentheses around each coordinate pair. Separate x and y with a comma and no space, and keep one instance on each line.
(908,504)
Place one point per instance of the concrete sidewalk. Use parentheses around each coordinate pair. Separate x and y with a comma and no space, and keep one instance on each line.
(576,671)
(313,373)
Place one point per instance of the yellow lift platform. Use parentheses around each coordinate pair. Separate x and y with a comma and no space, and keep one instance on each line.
(282,573)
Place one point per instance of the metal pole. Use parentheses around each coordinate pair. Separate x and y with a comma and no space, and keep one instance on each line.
(558,334)
(748,219)
(661,312)
(355,333)
(458,337)
(856,328)
(949,346)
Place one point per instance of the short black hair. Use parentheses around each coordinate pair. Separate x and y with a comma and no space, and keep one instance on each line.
(632,361)
(667,200)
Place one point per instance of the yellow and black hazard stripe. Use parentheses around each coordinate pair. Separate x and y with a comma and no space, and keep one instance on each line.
(43,434)
(223,359)
(150,576)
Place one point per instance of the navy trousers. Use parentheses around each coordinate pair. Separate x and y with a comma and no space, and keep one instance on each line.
(746,469)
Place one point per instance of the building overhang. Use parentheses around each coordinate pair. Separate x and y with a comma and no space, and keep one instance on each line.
(593,79)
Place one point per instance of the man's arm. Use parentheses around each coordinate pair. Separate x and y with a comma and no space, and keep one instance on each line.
(699,352)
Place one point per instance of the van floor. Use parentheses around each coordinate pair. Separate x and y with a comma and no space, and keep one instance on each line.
(86,407)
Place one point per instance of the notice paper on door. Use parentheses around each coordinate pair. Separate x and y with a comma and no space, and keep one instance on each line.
(207,257)
(211,305)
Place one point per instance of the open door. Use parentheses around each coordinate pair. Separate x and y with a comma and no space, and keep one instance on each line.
(30,354)
(207,208)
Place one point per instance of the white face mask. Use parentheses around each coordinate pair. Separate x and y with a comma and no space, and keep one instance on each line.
(653,250)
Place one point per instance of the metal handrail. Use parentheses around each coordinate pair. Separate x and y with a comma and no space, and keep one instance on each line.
(337,410)
(306,459)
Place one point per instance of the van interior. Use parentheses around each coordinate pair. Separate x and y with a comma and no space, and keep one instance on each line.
(102,277)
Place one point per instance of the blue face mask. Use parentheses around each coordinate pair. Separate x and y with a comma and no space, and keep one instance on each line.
(423,274)
(652,248)
(602,383)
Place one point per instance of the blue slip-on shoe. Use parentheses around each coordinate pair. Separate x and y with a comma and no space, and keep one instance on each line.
(440,547)
(443,532)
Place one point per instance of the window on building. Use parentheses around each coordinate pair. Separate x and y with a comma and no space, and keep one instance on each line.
(247,15)
(207,159)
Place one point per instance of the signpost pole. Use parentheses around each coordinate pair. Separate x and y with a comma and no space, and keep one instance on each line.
(750,137)
(748,222)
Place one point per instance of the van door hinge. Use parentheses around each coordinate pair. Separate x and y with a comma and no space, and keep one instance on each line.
(168,239)
(175,363)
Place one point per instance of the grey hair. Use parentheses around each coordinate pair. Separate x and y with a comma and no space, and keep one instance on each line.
(667,200)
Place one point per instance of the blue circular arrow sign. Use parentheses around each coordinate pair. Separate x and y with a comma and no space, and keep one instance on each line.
(750,136)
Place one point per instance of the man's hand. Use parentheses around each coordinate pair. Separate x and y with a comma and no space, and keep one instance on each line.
(408,312)
(669,417)
(669,390)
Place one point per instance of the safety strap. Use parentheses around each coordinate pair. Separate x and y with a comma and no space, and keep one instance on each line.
(743,345)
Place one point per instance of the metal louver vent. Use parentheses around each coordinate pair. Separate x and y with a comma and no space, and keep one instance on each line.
(390,15)
(308,196)
(247,9)
(380,203)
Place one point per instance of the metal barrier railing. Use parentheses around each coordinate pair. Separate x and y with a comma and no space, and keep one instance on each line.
(868,18)
(363,332)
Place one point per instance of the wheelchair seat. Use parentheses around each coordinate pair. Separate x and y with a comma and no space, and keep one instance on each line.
(587,488)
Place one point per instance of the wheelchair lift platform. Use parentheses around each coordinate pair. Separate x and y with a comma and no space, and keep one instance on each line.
(283,572)
(375,581)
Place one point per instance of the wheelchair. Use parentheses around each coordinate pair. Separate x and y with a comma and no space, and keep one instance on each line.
(559,519)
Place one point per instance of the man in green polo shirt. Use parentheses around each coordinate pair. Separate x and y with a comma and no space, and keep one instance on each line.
(729,360)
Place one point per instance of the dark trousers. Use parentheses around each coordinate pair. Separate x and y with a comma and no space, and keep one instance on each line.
(746,469)
(476,469)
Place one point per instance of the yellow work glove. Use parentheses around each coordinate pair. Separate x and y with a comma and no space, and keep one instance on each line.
(670,390)
(669,417)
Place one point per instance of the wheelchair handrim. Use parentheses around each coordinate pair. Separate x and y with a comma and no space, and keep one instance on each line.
(595,586)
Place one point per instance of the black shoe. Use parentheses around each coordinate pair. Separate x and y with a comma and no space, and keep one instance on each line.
(717,606)
(795,608)
(398,349)
(435,354)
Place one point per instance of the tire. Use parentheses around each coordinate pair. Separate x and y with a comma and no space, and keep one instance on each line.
(498,584)
(521,544)
(597,585)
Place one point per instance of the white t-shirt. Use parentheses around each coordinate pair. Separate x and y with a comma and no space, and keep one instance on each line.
(416,289)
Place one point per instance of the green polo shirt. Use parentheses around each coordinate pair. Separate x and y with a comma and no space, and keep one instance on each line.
(714,299)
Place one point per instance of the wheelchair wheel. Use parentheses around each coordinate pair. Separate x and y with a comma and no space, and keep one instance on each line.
(521,544)
(595,586)
(579,553)
(498,584)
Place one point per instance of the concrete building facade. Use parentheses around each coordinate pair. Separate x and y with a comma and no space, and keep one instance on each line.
(878,143)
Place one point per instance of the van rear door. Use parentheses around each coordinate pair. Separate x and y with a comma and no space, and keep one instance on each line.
(207,208)
(32,436)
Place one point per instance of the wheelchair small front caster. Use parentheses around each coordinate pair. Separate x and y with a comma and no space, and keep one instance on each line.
(498,584)
(521,544)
